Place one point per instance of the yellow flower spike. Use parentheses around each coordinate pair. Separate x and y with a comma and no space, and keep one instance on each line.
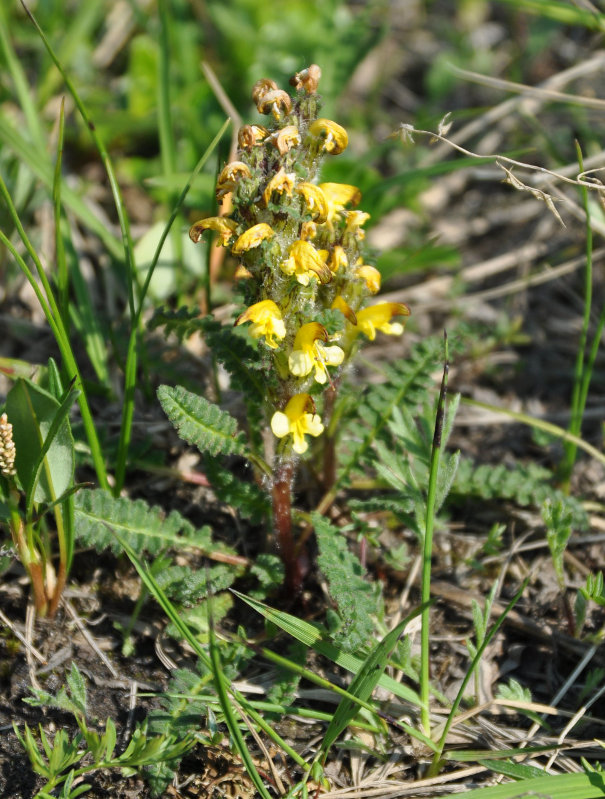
(249,136)
(338,258)
(378,317)
(332,136)
(307,79)
(371,276)
(222,225)
(345,309)
(266,321)
(229,177)
(305,262)
(285,138)
(281,182)
(276,102)
(315,200)
(298,419)
(309,352)
(252,238)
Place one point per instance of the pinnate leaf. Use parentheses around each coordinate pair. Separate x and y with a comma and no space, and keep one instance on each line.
(200,422)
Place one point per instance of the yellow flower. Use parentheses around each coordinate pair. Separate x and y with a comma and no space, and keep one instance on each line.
(305,262)
(266,321)
(355,219)
(309,352)
(295,420)
(315,200)
(224,226)
(338,195)
(371,276)
(332,136)
(229,177)
(252,237)
(338,258)
(281,182)
(378,317)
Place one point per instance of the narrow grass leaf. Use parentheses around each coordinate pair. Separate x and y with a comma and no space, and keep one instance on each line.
(311,636)
(553,786)
(365,681)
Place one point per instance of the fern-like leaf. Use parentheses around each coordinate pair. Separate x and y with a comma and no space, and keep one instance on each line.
(145,528)
(406,383)
(356,598)
(529,484)
(200,422)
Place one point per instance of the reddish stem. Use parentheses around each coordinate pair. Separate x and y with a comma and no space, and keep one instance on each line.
(282,525)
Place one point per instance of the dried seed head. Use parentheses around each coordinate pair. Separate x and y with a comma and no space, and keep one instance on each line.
(261,87)
(250,135)
(7,447)
(286,138)
(276,102)
(307,79)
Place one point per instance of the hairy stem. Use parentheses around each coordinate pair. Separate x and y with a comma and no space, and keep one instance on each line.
(282,525)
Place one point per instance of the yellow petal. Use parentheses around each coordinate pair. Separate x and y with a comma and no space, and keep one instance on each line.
(300,363)
(276,102)
(224,226)
(371,276)
(378,317)
(315,200)
(252,238)
(332,136)
(345,309)
(282,182)
(280,424)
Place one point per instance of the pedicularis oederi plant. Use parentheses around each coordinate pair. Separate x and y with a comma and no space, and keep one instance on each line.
(307,289)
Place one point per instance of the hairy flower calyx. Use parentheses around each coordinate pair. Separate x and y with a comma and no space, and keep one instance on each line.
(309,352)
(297,419)
(266,321)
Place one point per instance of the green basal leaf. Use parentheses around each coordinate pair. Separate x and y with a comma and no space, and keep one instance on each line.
(32,411)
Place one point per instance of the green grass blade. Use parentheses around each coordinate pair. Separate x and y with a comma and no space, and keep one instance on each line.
(553,786)
(171,612)
(53,317)
(310,636)
(131,357)
(113,182)
(566,13)
(220,681)
(427,554)
(365,681)
(39,164)
(62,276)
(22,88)
(471,669)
